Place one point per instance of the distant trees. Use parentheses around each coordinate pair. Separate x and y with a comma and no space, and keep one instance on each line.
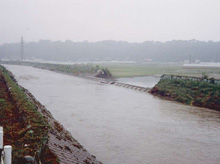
(171,51)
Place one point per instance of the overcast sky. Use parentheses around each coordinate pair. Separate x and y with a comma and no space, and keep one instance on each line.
(96,20)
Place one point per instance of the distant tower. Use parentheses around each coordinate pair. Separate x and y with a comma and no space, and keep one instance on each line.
(22,49)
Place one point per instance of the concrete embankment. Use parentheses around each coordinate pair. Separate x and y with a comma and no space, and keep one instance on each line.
(61,142)
(32,131)
(115,83)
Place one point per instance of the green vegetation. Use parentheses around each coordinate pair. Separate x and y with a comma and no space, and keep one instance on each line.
(24,127)
(202,94)
(148,69)
(74,69)
(170,51)
(132,70)
(118,70)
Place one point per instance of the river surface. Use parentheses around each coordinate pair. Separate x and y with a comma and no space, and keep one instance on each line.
(145,81)
(123,126)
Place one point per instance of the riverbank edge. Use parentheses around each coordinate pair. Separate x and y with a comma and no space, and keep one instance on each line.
(60,144)
(76,69)
(173,89)
(101,80)
(24,127)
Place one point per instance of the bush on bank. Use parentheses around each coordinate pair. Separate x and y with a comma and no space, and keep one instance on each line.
(75,69)
(202,94)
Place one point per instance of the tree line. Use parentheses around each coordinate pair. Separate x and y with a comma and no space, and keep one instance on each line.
(170,51)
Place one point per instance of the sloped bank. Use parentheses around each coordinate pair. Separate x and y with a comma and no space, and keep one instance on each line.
(24,127)
(74,69)
(201,92)
(31,129)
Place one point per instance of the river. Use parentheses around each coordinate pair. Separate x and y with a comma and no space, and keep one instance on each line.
(145,81)
(123,126)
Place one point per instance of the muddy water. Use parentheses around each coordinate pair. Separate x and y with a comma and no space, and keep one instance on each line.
(119,125)
(145,81)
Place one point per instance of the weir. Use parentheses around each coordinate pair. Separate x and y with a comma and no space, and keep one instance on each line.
(115,83)
(122,126)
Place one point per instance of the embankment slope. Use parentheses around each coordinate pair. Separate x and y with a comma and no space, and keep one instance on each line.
(31,129)
(191,91)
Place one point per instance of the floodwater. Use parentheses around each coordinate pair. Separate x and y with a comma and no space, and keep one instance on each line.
(145,81)
(123,126)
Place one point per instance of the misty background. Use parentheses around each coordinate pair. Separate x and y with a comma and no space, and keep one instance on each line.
(97,20)
(97,30)
(149,51)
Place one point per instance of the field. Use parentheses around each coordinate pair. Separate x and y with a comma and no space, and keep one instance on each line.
(119,70)
(156,69)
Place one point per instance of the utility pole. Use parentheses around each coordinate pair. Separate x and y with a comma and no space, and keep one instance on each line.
(22,49)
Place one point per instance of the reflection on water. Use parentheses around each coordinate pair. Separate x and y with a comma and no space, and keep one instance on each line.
(145,81)
(119,125)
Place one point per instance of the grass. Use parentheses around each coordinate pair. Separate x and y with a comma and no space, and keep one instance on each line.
(195,93)
(119,70)
(132,70)
(23,124)
(74,69)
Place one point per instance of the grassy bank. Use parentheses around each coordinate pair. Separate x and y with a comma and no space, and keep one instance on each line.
(24,127)
(119,70)
(202,94)
(74,69)
(133,70)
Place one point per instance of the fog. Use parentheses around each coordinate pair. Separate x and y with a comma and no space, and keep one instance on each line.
(96,20)
(105,69)
(172,51)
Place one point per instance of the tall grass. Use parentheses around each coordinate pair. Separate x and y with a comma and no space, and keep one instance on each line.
(196,93)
